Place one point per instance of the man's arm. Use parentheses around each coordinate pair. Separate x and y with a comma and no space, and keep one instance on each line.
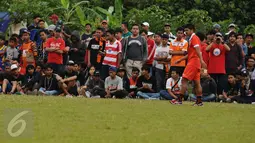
(171,93)
(119,59)
(177,52)
(59,51)
(203,64)
(208,47)
(51,49)
(14,86)
(145,50)
(226,47)
(181,59)
(70,78)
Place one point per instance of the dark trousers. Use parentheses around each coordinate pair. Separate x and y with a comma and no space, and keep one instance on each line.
(160,76)
(221,81)
(120,94)
(104,72)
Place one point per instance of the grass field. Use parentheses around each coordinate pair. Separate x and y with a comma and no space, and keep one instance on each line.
(81,120)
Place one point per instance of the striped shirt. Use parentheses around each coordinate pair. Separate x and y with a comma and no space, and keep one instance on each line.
(112,51)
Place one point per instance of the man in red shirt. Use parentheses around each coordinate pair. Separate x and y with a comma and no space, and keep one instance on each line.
(216,63)
(192,70)
(55,47)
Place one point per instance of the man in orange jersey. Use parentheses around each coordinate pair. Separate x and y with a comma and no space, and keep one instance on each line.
(28,51)
(178,48)
(192,70)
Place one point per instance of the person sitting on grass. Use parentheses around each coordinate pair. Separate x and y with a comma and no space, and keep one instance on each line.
(30,81)
(68,81)
(231,90)
(114,85)
(209,87)
(12,81)
(133,81)
(173,86)
(146,85)
(123,75)
(95,87)
(48,84)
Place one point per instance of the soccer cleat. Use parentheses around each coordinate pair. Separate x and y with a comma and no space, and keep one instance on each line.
(198,104)
(175,102)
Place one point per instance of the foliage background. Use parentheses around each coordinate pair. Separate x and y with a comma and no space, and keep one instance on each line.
(203,13)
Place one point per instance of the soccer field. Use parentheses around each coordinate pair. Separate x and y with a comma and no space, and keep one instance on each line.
(82,120)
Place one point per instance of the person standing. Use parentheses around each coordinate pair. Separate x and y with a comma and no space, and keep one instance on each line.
(136,51)
(178,49)
(87,34)
(112,54)
(234,57)
(124,28)
(55,47)
(162,58)
(192,70)
(216,63)
(167,29)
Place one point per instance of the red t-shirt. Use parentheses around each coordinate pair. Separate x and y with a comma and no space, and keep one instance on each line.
(53,57)
(205,55)
(193,59)
(151,51)
(216,62)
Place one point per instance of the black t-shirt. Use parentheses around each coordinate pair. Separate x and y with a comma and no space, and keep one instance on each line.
(19,78)
(67,74)
(232,90)
(94,47)
(151,82)
(49,83)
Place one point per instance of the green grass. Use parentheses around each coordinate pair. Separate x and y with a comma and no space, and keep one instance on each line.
(81,120)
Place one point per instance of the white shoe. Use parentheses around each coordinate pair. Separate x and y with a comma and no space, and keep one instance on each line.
(69,96)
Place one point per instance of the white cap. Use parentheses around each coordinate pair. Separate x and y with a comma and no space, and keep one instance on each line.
(14,66)
(52,27)
(232,25)
(70,62)
(146,24)
(150,33)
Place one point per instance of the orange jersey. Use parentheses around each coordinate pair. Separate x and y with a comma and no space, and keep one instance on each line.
(178,46)
(193,59)
(28,55)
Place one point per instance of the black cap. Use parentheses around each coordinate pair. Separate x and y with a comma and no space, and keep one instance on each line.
(97,73)
(165,36)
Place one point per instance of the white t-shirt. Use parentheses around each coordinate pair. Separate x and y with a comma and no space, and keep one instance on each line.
(161,52)
(170,83)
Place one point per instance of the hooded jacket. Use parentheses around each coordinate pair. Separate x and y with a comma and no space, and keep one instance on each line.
(77,56)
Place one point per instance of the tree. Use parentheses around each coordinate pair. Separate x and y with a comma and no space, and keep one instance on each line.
(155,16)
(113,14)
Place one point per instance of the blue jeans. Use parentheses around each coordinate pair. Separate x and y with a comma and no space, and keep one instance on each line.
(210,97)
(51,92)
(148,95)
(160,76)
(164,94)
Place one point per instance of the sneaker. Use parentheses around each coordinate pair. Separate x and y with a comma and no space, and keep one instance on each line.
(69,96)
(198,104)
(175,102)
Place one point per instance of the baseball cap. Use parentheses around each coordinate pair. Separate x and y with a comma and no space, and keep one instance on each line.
(114,69)
(14,66)
(165,36)
(218,34)
(150,33)
(97,73)
(52,27)
(146,24)
(24,30)
(216,26)
(104,21)
(70,62)
(231,25)
(121,69)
